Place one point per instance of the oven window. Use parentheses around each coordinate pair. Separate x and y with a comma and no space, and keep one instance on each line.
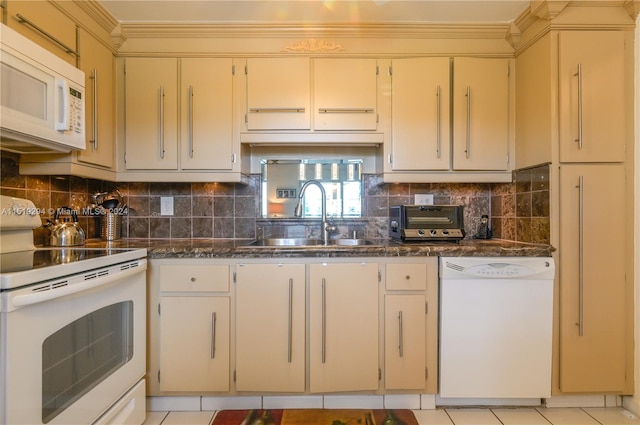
(84,353)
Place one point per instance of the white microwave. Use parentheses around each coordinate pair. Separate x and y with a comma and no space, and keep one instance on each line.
(41,98)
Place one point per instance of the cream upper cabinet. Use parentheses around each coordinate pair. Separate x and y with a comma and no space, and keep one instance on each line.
(592,96)
(151,108)
(97,160)
(206,124)
(270,327)
(204,114)
(345,94)
(343,340)
(44,24)
(481,113)
(97,63)
(592,278)
(278,94)
(420,114)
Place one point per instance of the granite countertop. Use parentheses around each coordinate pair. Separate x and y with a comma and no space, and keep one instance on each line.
(234,248)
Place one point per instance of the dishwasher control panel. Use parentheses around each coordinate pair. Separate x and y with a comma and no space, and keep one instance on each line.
(487,268)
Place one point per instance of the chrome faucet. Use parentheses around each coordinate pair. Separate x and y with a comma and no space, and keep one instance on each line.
(326,227)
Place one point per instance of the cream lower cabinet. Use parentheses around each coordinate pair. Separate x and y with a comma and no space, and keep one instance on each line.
(189,327)
(411,326)
(592,278)
(270,327)
(194,343)
(343,339)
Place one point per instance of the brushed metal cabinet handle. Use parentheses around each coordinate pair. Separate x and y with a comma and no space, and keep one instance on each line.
(290,331)
(94,107)
(400,335)
(579,75)
(161,102)
(213,335)
(190,112)
(468,138)
(324,320)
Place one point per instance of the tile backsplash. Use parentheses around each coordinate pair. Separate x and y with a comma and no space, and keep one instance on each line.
(519,211)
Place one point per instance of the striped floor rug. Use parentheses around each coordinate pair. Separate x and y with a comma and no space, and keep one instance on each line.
(315,417)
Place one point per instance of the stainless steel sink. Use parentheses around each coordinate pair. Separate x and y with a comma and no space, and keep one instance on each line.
(285,242)
(304,242)
(351,242)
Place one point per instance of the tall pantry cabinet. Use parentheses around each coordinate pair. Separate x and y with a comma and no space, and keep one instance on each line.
(592,238)
(584,78)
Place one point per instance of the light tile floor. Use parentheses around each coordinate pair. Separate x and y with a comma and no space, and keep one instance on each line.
(459,416)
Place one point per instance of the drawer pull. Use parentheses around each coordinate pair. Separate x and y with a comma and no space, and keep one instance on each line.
(193,279)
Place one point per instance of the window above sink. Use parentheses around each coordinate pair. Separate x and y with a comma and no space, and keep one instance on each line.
(282,180)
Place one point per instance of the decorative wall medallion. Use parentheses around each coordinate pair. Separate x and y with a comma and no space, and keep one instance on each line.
(312,46)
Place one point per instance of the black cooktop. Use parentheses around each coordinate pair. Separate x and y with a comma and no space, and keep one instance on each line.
(45,257)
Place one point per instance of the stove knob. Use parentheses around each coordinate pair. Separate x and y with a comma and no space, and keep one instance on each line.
(421,232)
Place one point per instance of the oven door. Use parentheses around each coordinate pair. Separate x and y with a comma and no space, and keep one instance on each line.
(72,347)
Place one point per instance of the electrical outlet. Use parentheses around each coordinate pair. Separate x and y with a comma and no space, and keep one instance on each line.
(166,205)
(424,199)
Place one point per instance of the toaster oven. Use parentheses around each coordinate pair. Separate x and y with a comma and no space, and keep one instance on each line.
(422,223)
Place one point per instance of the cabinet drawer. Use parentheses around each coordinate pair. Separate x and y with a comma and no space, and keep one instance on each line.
(194,278)
(406,277)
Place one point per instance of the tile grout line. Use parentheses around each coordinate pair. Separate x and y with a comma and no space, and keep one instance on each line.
(591,416)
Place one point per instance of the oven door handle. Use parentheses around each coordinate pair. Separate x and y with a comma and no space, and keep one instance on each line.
(62,291)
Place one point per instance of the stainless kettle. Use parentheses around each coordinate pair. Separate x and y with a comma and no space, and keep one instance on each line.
(65,233)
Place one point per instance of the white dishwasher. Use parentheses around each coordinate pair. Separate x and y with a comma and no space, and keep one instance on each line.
(496,318)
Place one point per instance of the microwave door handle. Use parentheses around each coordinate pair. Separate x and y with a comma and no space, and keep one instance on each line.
(63,106)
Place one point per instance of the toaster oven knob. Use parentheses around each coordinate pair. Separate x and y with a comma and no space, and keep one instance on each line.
(421,232)
(433,232)
(445,232)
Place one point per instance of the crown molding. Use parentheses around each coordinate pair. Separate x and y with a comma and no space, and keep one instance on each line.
(545,9)
(364,30)
(98,13)
(633,8)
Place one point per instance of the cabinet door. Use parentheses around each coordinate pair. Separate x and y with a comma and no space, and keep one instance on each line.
(46,16)
(420,114)
(592,96)
(97,63)
(345,94)
(405,342)
(206,114)
(278,94)
(151,127)
(480,114)
(592,278)
(343,327)
(194,343)
(270,327)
